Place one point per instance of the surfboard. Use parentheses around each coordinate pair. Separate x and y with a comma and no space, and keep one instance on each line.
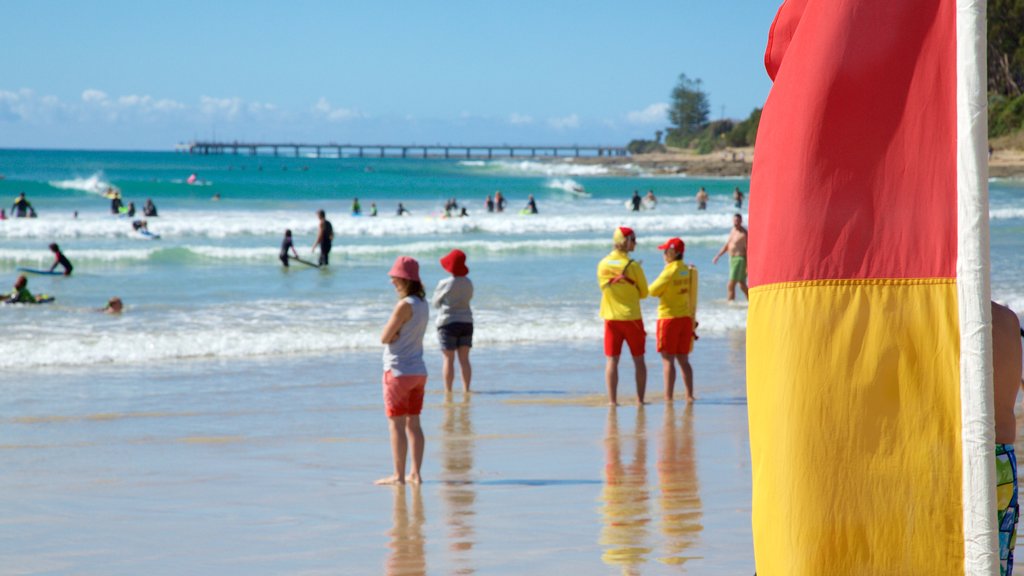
(147,235)
(40,299)
(42,272)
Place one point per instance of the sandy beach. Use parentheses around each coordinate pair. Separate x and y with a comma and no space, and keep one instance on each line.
(268,468)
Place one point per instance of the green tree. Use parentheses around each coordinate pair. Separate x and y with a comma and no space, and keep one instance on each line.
(1006,47)
(688,112)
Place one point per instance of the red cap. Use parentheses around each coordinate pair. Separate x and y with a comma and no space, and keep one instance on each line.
(675,244)
(455,263)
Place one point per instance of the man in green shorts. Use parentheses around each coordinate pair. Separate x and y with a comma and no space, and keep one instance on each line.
(736,246)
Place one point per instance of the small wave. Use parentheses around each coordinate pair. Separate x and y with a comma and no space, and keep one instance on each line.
(552,168)
(273,223)
(95,184)
(1006,213)
(568,185)
(228,331)
(473,163)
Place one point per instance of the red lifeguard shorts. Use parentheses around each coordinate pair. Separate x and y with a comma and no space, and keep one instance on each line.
(675,335)
(403,395)
(630,331)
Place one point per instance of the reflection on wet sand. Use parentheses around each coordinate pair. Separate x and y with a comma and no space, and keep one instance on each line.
(624,499)
(681,511)
(457,442)
(407,557)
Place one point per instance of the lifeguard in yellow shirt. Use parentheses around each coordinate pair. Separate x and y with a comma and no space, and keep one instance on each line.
(623,285)
(676,289)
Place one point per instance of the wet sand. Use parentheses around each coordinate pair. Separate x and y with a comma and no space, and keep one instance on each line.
(268,468)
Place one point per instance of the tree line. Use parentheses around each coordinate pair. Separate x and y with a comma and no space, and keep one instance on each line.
(689,111)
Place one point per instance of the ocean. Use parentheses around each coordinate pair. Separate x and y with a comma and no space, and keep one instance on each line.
(230,421)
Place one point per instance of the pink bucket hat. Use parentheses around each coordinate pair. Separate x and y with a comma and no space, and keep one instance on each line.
(405,267)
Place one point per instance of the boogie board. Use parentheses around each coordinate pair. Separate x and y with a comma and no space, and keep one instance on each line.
(147,235)
(42,272)
(40,299)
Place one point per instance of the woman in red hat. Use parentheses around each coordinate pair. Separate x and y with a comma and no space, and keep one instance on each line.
(405,374)
(455,318)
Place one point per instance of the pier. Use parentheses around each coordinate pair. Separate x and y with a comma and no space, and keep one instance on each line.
(460,151)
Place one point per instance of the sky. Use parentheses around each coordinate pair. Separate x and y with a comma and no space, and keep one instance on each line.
(149,75)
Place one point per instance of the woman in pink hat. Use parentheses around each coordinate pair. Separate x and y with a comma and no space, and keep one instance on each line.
(455,318)
(405,374)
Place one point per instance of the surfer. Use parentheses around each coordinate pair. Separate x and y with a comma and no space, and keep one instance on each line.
(737,196)
(489,203)
(149,209)
(140,226)
(455,318)
(286,245)
(21,206)
(702,199)
(373,209)
(676,289)
(499,201)
(405,373)
(192,178)
(401,211)
(20,294)
(531,205)
(623,285)
(59,259)
(650,201)
(635,202)
(324,237)
(131,209)
(3,214)
(736,246)
(356,208)
(116,204)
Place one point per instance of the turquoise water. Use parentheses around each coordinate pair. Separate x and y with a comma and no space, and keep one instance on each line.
(212,286)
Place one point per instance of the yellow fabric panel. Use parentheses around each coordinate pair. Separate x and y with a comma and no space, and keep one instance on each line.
(853,400)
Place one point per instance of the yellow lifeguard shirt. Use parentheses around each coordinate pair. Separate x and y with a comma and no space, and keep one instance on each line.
(676,289)
(621,292)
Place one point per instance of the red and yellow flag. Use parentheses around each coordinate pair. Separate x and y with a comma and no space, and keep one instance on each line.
(865,158)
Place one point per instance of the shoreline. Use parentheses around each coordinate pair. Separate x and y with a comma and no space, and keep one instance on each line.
(737,162)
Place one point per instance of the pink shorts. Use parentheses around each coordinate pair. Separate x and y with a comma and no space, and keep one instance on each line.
(403,395)
(630,331)
(675,335)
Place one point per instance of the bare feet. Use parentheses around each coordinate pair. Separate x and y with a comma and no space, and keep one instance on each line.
(414,479)
(390,480)
(690,399)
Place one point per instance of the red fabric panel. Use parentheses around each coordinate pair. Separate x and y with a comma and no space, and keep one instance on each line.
(854,169)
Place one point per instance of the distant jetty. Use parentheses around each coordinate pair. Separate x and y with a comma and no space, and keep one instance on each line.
(400,150)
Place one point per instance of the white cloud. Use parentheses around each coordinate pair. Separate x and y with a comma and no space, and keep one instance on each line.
(226,107)
(323,109)
(653,114)
(93,96)
(519,119)
(565,122)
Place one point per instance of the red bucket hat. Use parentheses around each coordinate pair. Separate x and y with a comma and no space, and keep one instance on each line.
(405,267)
(455,263)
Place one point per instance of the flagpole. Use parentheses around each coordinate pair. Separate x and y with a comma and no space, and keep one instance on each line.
(981,545)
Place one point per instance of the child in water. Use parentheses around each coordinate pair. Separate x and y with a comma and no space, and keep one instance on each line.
(59,259)
(20,294)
